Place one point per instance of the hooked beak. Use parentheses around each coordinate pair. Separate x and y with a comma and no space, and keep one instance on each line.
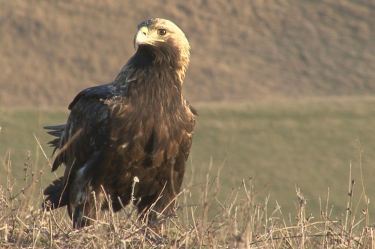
(141,37)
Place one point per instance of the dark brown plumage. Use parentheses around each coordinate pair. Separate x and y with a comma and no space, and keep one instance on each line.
(139,125)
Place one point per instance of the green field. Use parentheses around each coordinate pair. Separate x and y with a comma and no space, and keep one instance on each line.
(280,144)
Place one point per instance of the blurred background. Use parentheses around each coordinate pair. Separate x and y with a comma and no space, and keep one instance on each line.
(284,88)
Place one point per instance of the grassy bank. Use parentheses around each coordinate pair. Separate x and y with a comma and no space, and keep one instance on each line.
(281,145)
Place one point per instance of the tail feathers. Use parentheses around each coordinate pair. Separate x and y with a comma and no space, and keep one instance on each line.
(56,131)
(56,195)
(55,143)
(59,159)
(52,128)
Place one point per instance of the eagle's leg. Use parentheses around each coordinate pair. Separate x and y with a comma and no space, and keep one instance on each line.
(152,208)
(161,204)
(78,217)
(83,198)
(144,207)
(87,211)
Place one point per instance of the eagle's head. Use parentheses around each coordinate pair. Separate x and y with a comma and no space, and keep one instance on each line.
(166,42)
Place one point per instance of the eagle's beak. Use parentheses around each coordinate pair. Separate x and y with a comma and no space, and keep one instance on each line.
(141,37)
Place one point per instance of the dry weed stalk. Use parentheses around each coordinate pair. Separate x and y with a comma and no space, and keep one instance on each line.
(238,220)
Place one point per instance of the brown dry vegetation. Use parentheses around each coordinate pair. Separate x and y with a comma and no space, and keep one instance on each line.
(241,49)
(243,221)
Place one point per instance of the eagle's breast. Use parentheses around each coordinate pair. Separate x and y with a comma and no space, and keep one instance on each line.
(147,136)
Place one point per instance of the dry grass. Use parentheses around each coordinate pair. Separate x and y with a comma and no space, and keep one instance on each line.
(243,221)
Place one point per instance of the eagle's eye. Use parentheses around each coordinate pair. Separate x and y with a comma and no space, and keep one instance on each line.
(162,32)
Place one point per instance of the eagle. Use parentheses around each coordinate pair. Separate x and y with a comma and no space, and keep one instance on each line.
(127,141)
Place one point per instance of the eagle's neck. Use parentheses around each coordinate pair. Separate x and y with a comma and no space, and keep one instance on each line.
(153,77)
(173,59)
(144,58)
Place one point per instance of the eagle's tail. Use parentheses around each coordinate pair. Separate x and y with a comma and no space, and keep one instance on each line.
(56,131)
(56,196)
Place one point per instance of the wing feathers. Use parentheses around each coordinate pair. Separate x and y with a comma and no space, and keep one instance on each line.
(55,127)
(60,157)
(56,131)
(56,196)
(54,143)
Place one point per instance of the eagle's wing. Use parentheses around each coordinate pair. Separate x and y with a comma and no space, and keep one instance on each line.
(95,92)
(84,127)
(79,141)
